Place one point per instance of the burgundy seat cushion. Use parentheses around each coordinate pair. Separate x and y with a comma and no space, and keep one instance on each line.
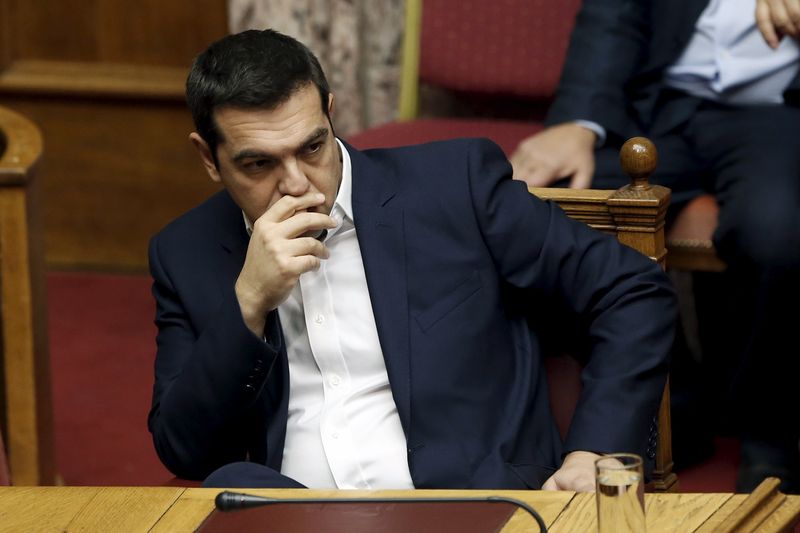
(506,133)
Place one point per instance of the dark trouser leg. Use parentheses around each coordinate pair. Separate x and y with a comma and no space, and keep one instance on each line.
(755,155)
(249,475)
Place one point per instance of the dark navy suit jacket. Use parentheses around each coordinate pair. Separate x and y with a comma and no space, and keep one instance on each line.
(619,49)
(459,260)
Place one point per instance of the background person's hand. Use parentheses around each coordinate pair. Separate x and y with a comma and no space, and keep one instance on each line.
(280,250)
(562,151)
(778,18)
(576,473)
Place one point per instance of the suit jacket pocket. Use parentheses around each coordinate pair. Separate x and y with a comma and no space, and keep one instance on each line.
(450,302)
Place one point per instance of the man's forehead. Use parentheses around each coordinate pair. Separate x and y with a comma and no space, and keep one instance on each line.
(304,97)
(287,128)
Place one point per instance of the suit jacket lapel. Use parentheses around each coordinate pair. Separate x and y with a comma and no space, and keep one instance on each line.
(673,24)
(234,241)
(379,226)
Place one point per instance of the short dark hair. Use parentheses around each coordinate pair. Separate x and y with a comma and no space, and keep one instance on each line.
(254,68)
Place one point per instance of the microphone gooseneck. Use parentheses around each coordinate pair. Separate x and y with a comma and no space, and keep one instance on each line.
(229,501)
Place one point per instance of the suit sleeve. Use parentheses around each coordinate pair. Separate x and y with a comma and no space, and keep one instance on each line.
(207,382)
(606,50)
(624,300)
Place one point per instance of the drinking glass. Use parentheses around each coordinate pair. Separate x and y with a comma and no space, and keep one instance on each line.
(620,493)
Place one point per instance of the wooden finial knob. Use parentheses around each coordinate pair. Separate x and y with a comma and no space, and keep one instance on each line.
(639,158)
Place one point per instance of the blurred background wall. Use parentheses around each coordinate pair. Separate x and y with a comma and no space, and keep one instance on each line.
(104,80)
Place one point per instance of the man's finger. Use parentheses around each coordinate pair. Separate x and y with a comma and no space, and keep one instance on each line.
(307,246)
(541,177)
(765,26)
(582,178)
(305,222)
(288,205)
(523,167)
(550,484)
(517,159)
(793,10)
(782,17)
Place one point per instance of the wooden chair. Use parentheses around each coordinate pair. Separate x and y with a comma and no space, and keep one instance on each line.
(25,403)
(635,215)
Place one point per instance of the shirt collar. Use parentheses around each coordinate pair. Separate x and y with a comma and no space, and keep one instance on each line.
(344,198)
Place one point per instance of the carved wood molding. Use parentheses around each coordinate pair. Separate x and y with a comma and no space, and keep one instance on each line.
(113,80)
(20,148)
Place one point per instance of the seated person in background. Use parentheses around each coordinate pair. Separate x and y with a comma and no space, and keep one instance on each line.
(345,319)
(715,85)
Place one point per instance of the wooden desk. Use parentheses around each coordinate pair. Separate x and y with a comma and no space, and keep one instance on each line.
(169,509)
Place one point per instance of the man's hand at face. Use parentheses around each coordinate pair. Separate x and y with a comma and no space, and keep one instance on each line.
(778,18)
(577,473)
(562,151)
(279,251)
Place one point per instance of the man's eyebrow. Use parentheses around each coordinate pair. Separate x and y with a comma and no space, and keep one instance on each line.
(315,136)
(252,154)
(247,153)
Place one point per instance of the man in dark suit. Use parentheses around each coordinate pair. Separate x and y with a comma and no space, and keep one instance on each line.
(715,84)
(347,319)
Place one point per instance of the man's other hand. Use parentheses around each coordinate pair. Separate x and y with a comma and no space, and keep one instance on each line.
(562,151)
(576,473)
(778,18)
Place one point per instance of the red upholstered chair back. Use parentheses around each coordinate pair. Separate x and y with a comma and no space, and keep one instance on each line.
(500,47)
(486,69)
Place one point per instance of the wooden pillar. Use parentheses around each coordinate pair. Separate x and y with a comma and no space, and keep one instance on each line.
(638,210)
(26,402)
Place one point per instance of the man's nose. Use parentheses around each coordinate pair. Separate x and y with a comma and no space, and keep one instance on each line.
(294,181)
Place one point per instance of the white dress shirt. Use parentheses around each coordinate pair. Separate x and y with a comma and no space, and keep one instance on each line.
(343,429)
(727,59)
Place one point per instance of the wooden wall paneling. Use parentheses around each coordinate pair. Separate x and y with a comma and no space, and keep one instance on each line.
(142,32)
(116,172)
(5,35)
(104,80)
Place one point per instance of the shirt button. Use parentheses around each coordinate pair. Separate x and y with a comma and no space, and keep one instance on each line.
(319,319)
(334,380)
(334,435)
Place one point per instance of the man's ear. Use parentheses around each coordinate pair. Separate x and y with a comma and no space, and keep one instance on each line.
(330,104)
(205,156)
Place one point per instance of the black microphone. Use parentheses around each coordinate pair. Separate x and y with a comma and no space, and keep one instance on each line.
(230,501)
